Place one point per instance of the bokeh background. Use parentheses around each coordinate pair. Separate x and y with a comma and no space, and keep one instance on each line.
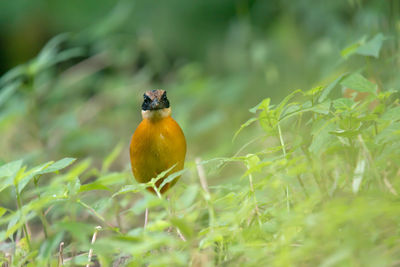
(74,71)
(312,182)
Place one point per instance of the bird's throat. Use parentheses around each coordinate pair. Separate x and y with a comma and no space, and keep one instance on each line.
(156,114)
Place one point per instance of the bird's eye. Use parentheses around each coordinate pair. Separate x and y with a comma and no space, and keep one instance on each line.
(146,99)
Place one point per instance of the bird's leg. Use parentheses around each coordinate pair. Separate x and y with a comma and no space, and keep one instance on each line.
(146,215)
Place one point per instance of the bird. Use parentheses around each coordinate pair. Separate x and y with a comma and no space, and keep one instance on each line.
(158,143)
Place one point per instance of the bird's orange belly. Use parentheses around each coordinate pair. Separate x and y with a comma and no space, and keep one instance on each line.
(156,147)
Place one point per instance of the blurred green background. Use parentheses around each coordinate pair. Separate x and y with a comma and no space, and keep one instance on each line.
(72,78)
(78,94)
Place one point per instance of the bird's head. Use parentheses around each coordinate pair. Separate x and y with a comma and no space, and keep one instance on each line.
(155,105)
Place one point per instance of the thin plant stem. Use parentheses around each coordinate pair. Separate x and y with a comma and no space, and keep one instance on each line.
(169,212)
(146,216)
(96,214)
(284,154)
(60,255)
(207,196)
(97,229)
(255,199)
(41,214)
(25,225)
(281,140)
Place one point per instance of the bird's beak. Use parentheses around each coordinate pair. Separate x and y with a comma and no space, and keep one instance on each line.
(154,104)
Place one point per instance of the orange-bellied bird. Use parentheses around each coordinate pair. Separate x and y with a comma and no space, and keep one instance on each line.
(158,143)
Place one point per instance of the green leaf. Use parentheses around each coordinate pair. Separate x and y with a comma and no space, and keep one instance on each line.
(392,114)
(372,47)
(93,186)
(2,211)
(157,226)
(9,170)
(351,49)
(283,103)
(26,177)
(58,165)
(389,134)
(357,82)
(132,188)
(343,103)
(183,226)
(345,133)
(172,177)
(329,88)
(8,91)
(244,125)
(265,105)
(161,175)
(74,186)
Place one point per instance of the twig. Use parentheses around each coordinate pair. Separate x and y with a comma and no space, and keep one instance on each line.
(95,213)
(389,185)
(180,234)
(202,175)
(146,216)
(60,255)
(97,229)
(9,260)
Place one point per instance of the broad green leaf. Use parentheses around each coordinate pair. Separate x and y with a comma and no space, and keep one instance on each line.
(372,47)
(357,82)
(322,108)
(10,169)
(93,186)
(392,114)
(172,177)
(389,134)
(58,165)
(343,104)
(132,188)
(8,172)
(329,88)
(26,177)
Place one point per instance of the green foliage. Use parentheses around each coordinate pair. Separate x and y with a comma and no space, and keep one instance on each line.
(326,195)
(311,178)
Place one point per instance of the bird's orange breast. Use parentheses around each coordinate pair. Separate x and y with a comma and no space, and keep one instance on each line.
(155,147)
